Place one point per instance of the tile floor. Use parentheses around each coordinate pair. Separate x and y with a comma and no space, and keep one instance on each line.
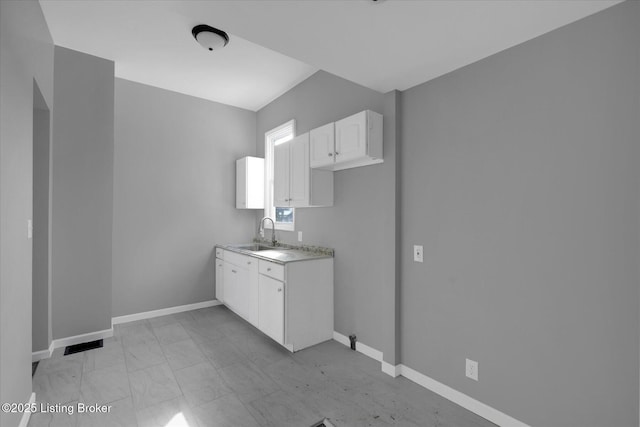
(210,368)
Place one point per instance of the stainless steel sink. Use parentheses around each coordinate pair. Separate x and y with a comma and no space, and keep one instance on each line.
(254,247)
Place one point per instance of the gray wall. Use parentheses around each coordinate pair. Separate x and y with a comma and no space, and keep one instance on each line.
(26,54)
(82,189)
(174,195)
(520,178)
(41,336)
(361,224)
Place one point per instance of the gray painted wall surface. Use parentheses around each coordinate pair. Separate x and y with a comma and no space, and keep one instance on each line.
(26,54)
(520,177)
(174,195)
(82,189)
(40,269)
(361,224)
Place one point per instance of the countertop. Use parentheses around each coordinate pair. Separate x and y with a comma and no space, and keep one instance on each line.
(280,255)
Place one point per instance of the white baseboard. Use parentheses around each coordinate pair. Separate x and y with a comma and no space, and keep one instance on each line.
(467,402)
(163,312)
(43,354)
(360,347)
(24,421)
(389,369)
(78,339)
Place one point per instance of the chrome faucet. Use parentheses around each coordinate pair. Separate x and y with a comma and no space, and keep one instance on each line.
(273,229)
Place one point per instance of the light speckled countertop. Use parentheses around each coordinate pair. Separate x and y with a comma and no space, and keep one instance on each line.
(282,254)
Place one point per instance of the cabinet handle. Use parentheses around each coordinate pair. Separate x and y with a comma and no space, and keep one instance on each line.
(337,153)
(233,271)
(279,289)
(249,262)
(330,154)
(269,269)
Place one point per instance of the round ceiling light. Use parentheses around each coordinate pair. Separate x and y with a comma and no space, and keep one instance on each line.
(210,38)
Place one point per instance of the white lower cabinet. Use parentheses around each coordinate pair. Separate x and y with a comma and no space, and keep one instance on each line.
(292,303)
(271,308)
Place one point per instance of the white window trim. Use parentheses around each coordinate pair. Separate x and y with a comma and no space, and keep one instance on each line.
(270,137)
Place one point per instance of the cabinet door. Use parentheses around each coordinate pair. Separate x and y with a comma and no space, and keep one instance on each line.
(281,175)
(299,171)
(236,289)
(321,146)
(220,280)
(272,308)
(351,137)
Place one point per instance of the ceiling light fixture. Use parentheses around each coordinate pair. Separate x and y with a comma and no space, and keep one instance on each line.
(210,38)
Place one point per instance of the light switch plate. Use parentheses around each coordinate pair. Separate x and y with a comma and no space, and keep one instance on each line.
(299,236)
(417,253)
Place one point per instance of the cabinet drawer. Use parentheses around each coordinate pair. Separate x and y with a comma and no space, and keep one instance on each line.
(243,261)
(219,253)
(272,269)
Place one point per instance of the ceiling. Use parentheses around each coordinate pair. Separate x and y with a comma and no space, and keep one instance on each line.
(275,44)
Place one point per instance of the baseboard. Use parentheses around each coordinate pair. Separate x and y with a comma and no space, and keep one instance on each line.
(389,369)
(43,354)
(467,402)
(163,312)
(78,339)
(360,347)
(24,421)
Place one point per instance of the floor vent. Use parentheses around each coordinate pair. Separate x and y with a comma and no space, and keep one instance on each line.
(77,348)
(34,366)
(323,423)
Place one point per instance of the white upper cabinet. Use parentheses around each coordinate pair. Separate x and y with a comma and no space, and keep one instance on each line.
(356,141)
(295,183)
(322,146)
(250,183)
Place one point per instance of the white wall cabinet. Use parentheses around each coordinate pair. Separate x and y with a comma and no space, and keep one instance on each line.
(295,183)
(357,141)
(250,183)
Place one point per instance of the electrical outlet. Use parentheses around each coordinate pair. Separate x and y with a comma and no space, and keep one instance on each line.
(472,369)
(417,253)
(299,236)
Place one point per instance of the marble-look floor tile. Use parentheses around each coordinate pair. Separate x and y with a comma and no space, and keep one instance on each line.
(55,418)
(247,381)
(59,386)
(175,412)
(259,349)
(153,385)
(110,354)
(226,411)
(135,333)
(201,383)
(171,333)
(203,329)
(121,414)
(143,355)
(282,409)
(182,354)
(221,352)
(105,385)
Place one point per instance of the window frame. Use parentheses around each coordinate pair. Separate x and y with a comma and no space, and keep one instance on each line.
(270,138)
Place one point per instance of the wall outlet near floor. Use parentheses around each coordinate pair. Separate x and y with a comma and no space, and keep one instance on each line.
(299,236)
(417,253)
(472,369)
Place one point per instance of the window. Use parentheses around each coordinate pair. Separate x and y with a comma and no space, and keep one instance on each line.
(284,217)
